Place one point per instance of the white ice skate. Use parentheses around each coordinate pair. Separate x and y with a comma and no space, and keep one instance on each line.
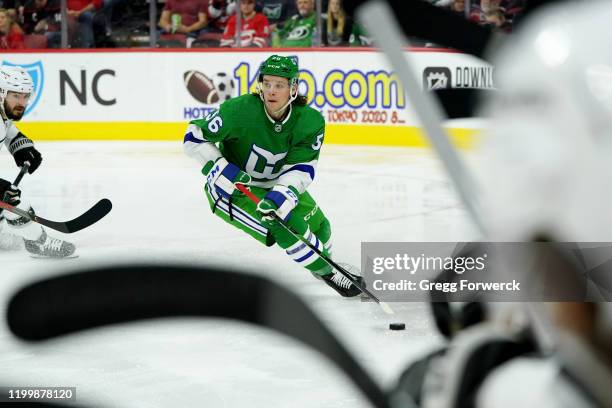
(49,247)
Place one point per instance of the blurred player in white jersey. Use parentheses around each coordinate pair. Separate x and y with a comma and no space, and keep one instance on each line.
(546,176)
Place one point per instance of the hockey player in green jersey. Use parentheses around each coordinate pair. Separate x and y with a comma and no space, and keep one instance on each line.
(270,141)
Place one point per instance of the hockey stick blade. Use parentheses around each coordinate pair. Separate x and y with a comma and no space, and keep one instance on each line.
(90,217)
(387,309)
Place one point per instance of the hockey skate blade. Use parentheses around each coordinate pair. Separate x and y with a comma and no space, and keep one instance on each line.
(364,297)
(73,256)
(383,305)
(386,308)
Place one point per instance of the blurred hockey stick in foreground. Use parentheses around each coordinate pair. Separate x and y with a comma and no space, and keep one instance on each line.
(91,216)
(327,259)
(380,22)
(71,303)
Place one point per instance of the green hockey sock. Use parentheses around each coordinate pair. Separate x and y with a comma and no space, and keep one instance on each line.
(299,251)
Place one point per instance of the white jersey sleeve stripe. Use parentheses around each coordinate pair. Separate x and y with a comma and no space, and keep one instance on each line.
(298,175)
(197,148)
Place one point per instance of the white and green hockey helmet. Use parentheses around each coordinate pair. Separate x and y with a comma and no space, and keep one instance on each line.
(277,65)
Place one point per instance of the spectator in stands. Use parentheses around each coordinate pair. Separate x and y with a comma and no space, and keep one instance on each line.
(492,14)
(107,9)
(299,30)
(457,7)
(255,30)
(513,10)
(43,17)
(12,7)
(83,12)
(500,14)
(186,17)
(219,12)
(441,3)
(278,11)
(359,38)
(11,35)
(338,25)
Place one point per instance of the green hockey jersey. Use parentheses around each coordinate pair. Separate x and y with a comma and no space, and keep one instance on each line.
(271,152)
(359,38)
(298,31)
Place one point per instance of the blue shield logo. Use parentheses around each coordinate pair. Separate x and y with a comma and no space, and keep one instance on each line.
(38,76)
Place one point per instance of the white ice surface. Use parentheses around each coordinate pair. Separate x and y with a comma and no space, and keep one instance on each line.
(160,215)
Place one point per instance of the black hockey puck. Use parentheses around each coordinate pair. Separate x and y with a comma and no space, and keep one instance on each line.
(397,326)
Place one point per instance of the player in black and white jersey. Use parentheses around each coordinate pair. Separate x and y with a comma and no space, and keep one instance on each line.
(16,87)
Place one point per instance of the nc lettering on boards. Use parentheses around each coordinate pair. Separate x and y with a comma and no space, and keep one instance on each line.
(80,87)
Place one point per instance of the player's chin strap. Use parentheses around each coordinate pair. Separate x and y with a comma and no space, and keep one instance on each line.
(292,98)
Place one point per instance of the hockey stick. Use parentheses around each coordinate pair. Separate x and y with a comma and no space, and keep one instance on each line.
(327,259)
(381,24)
(91,216)
(72,303)
(22,172)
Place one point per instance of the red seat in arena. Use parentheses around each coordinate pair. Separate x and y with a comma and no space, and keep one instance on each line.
(210,36)
(172,40)
(207,40)
(35,41)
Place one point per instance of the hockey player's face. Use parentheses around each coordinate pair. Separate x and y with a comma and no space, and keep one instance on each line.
(276,91)
(15,104)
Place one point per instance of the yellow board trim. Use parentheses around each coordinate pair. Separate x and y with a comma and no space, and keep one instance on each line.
(408,136)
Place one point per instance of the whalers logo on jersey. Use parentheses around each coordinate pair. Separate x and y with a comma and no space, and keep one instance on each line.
(38,77)
(261,163)
(273,12)
(299,33)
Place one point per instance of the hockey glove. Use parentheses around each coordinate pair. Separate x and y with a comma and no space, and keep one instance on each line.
(9,193)
(221,177)
(22,149)
(281,200)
